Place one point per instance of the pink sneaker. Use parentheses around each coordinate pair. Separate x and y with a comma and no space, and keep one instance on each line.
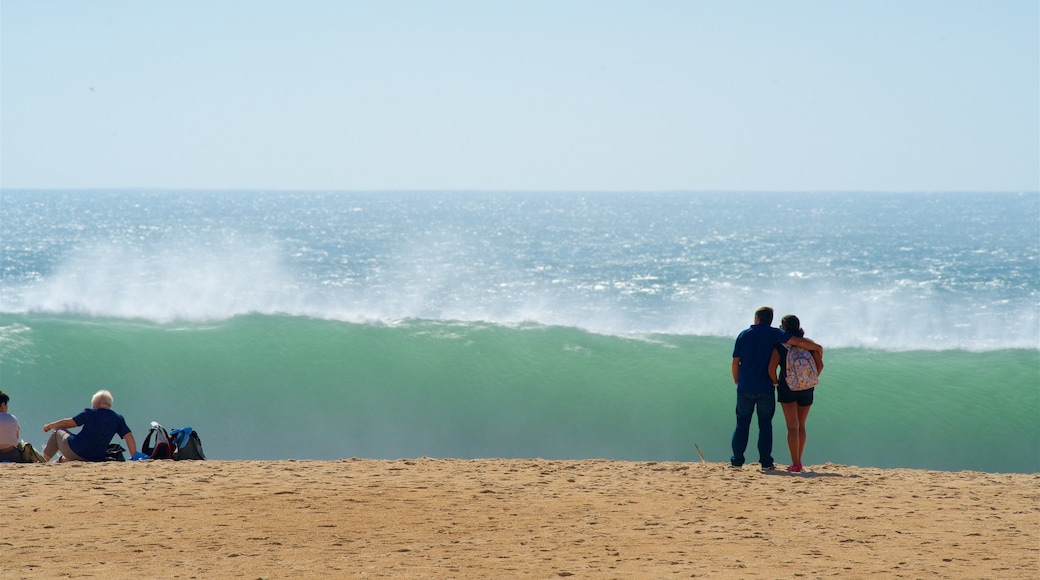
(795,468)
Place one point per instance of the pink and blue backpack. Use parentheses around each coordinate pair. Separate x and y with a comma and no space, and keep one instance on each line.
(801,372)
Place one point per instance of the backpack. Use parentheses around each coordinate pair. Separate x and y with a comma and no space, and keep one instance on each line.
(29,454)
(801,373)
(114,452)
(157,444)
(187,444)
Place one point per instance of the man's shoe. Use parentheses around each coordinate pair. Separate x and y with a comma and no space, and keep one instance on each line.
(732,466)
(768,468)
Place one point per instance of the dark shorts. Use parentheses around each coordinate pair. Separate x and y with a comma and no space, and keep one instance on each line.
(786,395)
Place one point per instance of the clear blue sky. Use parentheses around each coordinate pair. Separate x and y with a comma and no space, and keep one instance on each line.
(867,95)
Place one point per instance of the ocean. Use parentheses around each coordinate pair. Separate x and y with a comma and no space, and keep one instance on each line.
(323,325)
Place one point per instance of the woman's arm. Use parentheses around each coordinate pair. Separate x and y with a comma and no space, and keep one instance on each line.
(818,359)
(61,424)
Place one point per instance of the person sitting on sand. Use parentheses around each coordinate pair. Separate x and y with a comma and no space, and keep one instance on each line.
(10,432)
(99,423)
(795,404)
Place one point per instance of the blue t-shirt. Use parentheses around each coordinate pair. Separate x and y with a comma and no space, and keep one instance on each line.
(753,347)
(98,427)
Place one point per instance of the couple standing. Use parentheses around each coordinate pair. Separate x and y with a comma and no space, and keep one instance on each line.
(755,360)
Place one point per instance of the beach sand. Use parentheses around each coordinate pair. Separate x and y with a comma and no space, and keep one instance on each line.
(429,518)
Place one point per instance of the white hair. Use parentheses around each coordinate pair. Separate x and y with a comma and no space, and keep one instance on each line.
(101,400)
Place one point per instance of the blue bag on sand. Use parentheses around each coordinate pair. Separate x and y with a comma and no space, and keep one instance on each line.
(187,444)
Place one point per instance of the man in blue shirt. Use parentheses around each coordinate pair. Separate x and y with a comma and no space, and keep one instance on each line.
(99,424)
(751,354)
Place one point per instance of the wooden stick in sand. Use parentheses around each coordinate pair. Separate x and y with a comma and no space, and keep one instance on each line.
(699,452)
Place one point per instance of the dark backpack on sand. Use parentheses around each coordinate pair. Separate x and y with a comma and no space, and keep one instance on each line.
(114,452)
(157,444)
(29,454)
(187,444)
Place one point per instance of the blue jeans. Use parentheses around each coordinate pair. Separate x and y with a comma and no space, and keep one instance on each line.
(766,407)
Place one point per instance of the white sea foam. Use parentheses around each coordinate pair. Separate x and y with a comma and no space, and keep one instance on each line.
(190,281)
(198,281)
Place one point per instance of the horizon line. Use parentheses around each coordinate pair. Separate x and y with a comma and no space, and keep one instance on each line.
(520,190)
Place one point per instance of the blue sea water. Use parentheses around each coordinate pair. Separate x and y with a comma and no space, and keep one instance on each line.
(475,324)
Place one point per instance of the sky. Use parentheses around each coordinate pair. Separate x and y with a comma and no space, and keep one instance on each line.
(561,95)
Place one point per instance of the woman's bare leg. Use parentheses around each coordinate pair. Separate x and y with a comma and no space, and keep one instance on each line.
(794,443)
(803,415)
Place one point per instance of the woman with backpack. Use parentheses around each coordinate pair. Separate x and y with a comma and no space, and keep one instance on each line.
(795,392)
(99,424)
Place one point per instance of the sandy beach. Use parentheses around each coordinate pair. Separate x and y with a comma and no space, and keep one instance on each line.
(493,518)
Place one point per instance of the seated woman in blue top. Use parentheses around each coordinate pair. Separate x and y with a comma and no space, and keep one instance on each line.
(99,424)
